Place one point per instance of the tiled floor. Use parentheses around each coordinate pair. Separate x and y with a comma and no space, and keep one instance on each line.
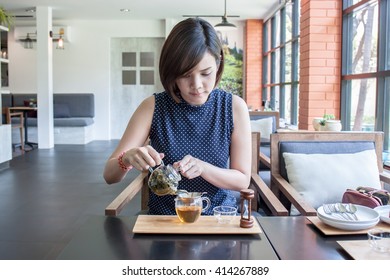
(17,152)
(46,194)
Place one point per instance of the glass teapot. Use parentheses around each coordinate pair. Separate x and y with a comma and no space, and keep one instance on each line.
(164,180)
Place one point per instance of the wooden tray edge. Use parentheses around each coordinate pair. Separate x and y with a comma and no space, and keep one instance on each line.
(256,229)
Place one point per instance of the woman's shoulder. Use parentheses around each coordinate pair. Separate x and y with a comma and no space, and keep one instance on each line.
(148,102)
(238,101)
(240,108)
(162,94)
(162,97)
(221,95)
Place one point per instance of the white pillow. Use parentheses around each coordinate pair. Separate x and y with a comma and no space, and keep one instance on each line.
(264,126)
(323,178)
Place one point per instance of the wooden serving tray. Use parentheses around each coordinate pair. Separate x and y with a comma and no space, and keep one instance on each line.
(328,230)
(361,250)
(161,224)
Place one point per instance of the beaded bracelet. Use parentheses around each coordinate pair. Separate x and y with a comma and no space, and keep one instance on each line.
(122,165)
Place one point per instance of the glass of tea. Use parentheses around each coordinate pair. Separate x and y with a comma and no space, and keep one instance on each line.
(189,206)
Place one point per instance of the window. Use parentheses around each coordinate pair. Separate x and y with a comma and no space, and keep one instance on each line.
(138,68)
(366,66)
(281,61)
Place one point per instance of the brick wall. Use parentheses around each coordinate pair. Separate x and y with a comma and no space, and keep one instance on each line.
(253,63)
(320,60)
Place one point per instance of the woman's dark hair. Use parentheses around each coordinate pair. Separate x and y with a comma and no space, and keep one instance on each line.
(185,47)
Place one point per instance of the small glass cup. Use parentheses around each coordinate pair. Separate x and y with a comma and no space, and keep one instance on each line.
(224,214)
(379,240)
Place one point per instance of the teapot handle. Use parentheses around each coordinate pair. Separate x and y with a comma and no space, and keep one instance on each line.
(151,169)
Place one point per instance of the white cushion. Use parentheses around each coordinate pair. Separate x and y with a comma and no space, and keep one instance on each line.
(264,126)
(323,178)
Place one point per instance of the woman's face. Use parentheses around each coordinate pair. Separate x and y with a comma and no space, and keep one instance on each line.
(196,85)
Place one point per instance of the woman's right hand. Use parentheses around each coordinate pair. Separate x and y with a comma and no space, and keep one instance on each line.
(142,158)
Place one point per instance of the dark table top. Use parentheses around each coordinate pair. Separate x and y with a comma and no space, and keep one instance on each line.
(296,238)
(110,238)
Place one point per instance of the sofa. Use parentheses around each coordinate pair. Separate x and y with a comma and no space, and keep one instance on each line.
(73,115)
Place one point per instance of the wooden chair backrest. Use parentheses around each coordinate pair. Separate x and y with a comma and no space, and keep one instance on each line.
(375,137)
(255,153)
(9,113)
(285,192)
(274,114)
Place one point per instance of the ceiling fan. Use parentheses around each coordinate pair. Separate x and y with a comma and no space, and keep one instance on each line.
(225,24)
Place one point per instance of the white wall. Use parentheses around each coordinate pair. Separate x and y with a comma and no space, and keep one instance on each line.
(84,65)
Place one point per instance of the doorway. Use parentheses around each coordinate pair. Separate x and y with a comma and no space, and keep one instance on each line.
(135,76)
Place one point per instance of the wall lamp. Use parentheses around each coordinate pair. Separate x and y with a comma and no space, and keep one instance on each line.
(30,39)
(59,38)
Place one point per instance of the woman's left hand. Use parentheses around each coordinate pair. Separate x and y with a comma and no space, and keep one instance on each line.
(189,167)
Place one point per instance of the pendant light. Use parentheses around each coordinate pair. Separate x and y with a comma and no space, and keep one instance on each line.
(225,25)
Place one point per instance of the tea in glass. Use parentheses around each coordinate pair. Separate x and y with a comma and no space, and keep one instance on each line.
(189,206)
(188,214)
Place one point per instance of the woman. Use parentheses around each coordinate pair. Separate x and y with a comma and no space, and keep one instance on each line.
(202,131)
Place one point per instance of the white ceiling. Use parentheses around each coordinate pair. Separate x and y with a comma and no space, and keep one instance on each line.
(142,9)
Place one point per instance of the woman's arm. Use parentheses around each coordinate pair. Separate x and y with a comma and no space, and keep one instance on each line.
(238,176)
(134,143)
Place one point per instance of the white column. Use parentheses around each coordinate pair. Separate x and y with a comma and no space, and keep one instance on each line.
(169,24)
(45,78)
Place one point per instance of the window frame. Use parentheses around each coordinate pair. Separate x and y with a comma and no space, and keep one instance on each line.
(274,71)
(381,74)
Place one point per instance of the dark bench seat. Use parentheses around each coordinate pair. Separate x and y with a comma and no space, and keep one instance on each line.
(73,116)
(63,122)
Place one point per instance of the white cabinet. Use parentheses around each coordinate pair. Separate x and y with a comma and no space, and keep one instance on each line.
(5,144)
(4,58)
(5,129)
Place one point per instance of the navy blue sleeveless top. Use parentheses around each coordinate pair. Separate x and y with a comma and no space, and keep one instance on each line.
(204,132)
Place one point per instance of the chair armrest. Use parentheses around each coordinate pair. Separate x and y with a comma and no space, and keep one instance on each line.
(265,160)
(16,114)
(293,196)
(385,177)
(116,206)
(273,203)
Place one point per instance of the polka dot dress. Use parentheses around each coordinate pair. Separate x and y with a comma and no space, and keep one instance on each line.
(180,129)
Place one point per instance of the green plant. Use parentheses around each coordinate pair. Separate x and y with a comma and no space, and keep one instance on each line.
(325,118)
(5,18)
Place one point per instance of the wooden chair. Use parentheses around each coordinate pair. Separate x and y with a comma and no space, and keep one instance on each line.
(262,191)
(264,149)
(9,114)
(317,143)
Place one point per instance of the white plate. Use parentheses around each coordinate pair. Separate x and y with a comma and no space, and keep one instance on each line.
(363,224)
(383,212)
(365,215)
(348,225)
